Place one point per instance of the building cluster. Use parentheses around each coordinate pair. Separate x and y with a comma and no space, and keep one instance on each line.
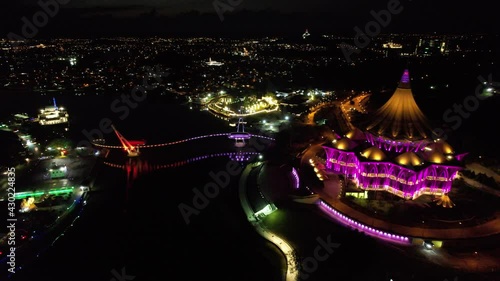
(396,151)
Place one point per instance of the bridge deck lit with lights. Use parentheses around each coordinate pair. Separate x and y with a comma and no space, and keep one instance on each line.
(132,148)
(240,135)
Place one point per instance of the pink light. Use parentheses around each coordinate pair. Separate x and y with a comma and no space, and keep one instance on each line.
(126,144)
(296,177)
(346,221)
(393,174)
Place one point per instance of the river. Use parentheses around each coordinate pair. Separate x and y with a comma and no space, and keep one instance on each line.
(137,226)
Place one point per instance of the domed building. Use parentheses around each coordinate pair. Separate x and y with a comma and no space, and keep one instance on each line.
(356,134)
(373,153)
(409,159)
(396,151)
(344,144)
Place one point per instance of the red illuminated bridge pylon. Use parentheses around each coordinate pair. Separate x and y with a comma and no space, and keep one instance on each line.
(131,147)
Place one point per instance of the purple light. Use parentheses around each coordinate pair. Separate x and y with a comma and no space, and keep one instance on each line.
(394,238)
(242,136)
(296,178)
(389,145)
(406,77)
(387,176)
(240,157)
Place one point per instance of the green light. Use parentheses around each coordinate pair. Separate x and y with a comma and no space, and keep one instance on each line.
(64,190)
(22,195)
(267,210)
(61,191)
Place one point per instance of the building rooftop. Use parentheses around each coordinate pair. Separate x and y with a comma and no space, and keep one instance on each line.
(400,118)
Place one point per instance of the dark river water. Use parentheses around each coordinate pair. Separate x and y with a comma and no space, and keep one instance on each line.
(133,227)
(135,224)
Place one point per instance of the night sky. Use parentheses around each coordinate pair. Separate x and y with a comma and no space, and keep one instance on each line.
(163,17)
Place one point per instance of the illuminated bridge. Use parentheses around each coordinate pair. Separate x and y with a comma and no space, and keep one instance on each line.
(240,135)
(133,147)
(135,167)
(144,166)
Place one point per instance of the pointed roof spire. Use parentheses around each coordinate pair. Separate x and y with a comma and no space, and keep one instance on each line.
(400,117)
(404,83)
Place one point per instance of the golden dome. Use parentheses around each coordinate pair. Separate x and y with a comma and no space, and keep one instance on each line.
(446,148)
(442,147)
(409,159)
(343,144)
(355,134)
(374,153)
(436,157)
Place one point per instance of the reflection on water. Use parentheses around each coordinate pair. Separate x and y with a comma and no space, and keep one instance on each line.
(137,166)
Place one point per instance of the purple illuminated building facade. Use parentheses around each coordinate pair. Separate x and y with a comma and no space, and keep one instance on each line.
(396,151)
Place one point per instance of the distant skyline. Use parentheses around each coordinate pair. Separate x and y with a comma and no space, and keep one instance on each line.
(163,17)
(172,7)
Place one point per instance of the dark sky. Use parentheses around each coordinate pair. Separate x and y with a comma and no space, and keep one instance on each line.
(163,17)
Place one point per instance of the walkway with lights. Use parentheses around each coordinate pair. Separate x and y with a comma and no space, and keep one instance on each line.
(331,204)
(227,135)
(292,272)
(133,147)
(384,229)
